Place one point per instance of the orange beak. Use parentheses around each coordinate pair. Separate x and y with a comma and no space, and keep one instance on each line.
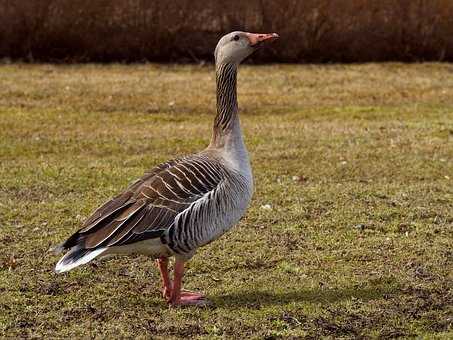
(257,39)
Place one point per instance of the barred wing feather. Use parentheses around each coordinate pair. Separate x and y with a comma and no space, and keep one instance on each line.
(150,206)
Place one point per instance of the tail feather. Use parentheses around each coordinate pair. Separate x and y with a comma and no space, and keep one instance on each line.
(76,257)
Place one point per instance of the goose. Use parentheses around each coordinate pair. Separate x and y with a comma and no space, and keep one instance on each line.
(185,203)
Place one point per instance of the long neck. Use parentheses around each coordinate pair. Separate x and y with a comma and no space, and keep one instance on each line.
(226,120)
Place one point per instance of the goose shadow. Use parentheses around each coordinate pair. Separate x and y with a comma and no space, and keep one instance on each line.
(321,295)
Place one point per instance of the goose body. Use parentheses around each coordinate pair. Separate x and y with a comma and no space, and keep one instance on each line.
(185,203)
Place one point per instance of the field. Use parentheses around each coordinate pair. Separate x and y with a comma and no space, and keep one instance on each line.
(349,233)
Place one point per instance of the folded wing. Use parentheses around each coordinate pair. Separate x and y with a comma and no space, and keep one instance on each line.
(150,205)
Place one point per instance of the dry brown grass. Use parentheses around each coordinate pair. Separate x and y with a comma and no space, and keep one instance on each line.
(187,30)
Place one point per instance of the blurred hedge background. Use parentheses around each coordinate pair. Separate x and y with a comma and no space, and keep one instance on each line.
(187,30)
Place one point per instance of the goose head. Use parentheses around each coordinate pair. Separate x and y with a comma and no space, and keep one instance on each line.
(234,47)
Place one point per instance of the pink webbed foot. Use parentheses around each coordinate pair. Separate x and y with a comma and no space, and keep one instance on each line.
(188,298)
(181,297)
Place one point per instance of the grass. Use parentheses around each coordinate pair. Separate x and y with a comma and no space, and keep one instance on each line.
(349,233)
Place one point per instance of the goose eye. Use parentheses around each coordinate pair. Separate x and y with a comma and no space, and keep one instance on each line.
(236,38)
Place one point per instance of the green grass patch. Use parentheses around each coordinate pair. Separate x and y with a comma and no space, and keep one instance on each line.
(349,233)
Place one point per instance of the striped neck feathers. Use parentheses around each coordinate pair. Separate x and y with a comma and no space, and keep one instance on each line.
(227,105)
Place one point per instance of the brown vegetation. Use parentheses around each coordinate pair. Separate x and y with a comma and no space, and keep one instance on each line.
(187,30)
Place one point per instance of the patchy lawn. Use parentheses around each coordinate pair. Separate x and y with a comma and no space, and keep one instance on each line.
(349,233)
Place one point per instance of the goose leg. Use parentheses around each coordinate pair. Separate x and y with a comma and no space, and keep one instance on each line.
(184,297)
(162,263)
